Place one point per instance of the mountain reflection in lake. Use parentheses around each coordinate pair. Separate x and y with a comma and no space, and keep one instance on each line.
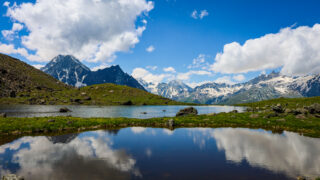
(141,112)
(148,153)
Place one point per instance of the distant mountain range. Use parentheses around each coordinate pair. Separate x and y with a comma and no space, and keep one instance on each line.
(260,88)
(71,71)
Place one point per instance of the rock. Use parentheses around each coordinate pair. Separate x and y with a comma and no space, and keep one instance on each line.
(51,120)
(64,110)
(12,177)
(281,120)
(249,109)
(111,91)
(314,108)
(278,109)
(288,111)
(144,113)
(77,100)
(254,115)
(3,115)
(300,116)
(88,98)
(70,122)
(164,110)
(13,94)
(170,123)
(187,111)
(42,101)
(317,115)
(83,93)
(127,103)
(272,115)
(234,111)
(301,178)
(300,111)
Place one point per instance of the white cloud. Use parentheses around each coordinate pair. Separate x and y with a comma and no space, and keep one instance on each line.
(239,77)
(150,49)
(10,34)
(199,62)
(297,51)
(38,66)
(140,73)
(203,14)
(138,130)
(152,67)
(6,3)
(225,79)
(195,84)
(200,15)
(186,76)
(169,69)
(102,66)
(10,49)
(90,30)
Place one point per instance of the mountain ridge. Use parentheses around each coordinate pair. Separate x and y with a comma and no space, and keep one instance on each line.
(71,71)
(262,87)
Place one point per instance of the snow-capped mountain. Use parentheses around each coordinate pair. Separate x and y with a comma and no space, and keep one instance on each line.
(273,85)
(72,72)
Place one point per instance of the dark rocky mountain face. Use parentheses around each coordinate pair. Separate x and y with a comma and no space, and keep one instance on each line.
(72,72)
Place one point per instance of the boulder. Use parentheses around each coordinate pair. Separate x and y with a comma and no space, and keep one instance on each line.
(64,110)
(88,98)
(314,108)
(254,115)
(51,120)
(300,116)
(170,123)
(187,111)
(278,108)
(3,115)
(144,113)
(12,177)
(13,94)
(127,103)
(300,111)
(234,111)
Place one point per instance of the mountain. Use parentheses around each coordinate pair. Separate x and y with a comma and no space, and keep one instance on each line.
(17,76)
(72,72)
(263,87)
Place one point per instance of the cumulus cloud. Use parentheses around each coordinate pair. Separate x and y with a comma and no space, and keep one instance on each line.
(199,62)
(152,67)
(10,34)
(186,76)
(296,50)
(150,49)
(225,79)
(169,69)
(38,66)
(199,15)
(91,30)
(239,77)
(10,49)
(102,66)
(140,73)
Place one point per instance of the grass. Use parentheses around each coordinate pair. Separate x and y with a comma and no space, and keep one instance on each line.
(308,127)
(102,94)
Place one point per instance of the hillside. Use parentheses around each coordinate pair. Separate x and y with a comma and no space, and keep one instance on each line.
(18,77)
(24,84)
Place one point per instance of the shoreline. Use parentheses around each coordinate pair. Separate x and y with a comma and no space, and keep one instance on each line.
(309,126)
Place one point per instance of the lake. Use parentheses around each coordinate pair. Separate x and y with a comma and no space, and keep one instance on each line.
(141,112)
(155,153)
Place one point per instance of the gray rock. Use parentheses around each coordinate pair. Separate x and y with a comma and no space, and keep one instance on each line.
(254,115)
(64,110)
(170,123)
(12,177)
(314,108)
(4,115)
(187,111)
(88,98)
(51,120)
(278,109)
(234,111)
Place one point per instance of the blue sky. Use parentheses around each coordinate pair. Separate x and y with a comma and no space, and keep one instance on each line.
(178,39)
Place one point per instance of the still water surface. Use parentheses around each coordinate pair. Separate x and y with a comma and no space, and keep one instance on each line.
(154,153)
(107,111)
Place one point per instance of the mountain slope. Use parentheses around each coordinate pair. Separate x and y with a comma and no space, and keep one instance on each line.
(71,71)
(17,76)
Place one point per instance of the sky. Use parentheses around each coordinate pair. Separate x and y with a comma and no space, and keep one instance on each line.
(194,41)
